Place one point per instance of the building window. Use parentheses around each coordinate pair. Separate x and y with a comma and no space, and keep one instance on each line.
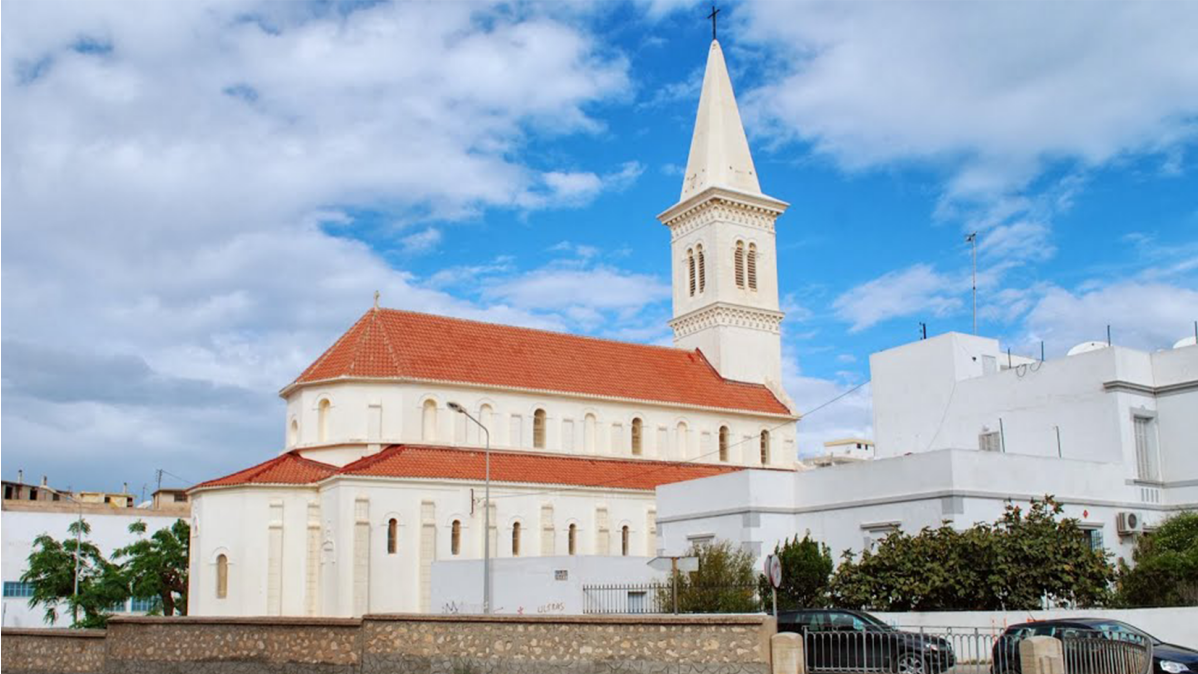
(1146,459)
(538,429)
(222,576)
(638,432)
(624,534)
(428,430)
(485,417)
(765,448)
(690,267)
(1094,538)
(293,433)
(589,426)
(392,535)
(702,269)
(455,538)
(681,441)
(752,266)
(740,264)
(322,419)
(516,539)
(724,443)
(145,604)
(572,539)
(990,441)
(14,589)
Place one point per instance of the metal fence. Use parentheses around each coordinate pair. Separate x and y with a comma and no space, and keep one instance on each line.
(920,651)
(1107,653)
(669,598)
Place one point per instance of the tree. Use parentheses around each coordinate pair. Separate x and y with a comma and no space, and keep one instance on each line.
(806,570)
(1012,564)
(1166,566)
(157,566)
(52,572)
(724,583)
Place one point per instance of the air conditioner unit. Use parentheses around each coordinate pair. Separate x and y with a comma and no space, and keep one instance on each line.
(1129,523)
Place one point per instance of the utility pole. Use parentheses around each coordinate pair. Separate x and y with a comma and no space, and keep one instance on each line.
(972,240)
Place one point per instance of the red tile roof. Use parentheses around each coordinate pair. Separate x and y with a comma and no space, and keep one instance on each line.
(289,468)
(387,343)
(432,462)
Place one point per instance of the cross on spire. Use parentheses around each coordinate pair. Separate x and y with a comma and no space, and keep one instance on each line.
(712,16)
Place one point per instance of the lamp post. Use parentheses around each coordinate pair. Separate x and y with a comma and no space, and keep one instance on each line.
(78,544)
(486,507)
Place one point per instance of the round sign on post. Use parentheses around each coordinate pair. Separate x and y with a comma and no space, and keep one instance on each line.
(773,570)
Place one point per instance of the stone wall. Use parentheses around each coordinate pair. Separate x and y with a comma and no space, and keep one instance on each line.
(399,643)
(52,651)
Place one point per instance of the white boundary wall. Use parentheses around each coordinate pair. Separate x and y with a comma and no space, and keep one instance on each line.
(1173,625)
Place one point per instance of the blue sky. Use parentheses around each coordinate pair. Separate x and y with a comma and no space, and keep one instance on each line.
(203,196)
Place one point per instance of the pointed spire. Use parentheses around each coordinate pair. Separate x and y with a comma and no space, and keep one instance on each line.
(719,150)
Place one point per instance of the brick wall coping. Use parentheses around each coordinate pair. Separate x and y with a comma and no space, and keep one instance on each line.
(68,632)
(265,621)
(657,619)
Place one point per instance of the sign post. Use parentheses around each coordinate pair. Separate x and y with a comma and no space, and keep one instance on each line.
(773,573)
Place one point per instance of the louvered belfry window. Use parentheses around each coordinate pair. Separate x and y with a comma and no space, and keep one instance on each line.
(752,266)
(690,270)
(740,264)
(702,269)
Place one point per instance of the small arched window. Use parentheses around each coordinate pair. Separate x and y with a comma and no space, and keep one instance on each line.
(293,433)
(455,538)
(322,419)
(572,539)
(682,441)
(638,433)
(486,415)
(765,448)
(624,538)
(739,263)
(222,576)
(723,443)
(702,268)
(538,429)
(590,426)
(392,535)
(690,266)
(428,425)
(752,266)
(516,539)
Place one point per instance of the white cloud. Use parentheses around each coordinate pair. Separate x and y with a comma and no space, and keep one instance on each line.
(833,408)
(914,291)
(1141,315)
(599,288)
(422,241)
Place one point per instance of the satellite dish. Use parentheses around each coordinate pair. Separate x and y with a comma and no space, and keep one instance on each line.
(1087,347)
(1186,341)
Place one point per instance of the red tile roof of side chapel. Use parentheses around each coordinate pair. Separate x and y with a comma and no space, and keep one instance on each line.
(387,343)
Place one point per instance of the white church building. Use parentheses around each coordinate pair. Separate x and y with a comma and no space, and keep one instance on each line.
(379,477)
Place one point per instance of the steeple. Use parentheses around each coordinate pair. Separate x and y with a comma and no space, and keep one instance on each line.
(724,261)
(719,154)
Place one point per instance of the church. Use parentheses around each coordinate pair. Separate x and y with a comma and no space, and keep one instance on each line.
(383,467)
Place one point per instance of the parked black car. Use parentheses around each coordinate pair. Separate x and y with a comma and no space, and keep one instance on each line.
(1166,658)
(838,639)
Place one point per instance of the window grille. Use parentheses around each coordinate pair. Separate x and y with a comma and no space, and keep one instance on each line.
(702,269)
(990,442)
(752,266)
(740,264)
(690,265)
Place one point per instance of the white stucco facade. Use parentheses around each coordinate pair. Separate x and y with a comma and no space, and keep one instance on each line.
(932,399)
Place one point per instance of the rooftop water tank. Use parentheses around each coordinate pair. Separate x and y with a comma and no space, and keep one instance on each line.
(1087,347)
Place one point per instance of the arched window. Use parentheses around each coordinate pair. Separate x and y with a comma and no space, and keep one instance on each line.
(455,538)
(624,536)
(322,419)
(690,266)
(765,448)
(516,539)
(637,435)
(293,433)
(682,441)
(702,268)
(740,264)
(392,535)
(428,424)
(222,576)
(752,266)
(486,415)
(589,427)
(538,429)
(572,539)
(723,443)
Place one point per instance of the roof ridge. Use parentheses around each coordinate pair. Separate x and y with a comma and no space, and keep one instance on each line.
(605,340)
(370,325)
(387,343)
(371,459)
(328,351)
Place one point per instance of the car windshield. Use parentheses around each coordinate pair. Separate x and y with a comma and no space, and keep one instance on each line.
(1116,627)
(873,623)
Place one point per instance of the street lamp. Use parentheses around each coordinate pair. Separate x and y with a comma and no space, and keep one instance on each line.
(486,508)
(78,543)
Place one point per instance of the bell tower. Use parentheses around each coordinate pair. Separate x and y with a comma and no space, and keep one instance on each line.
(724,259)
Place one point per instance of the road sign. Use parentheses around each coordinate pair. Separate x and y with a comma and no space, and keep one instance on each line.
(773,570)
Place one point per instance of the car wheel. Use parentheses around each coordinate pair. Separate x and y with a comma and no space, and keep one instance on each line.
(909,663)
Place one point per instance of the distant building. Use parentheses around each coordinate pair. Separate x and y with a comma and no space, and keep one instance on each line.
(29,511)
(962,429)
(844,450)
